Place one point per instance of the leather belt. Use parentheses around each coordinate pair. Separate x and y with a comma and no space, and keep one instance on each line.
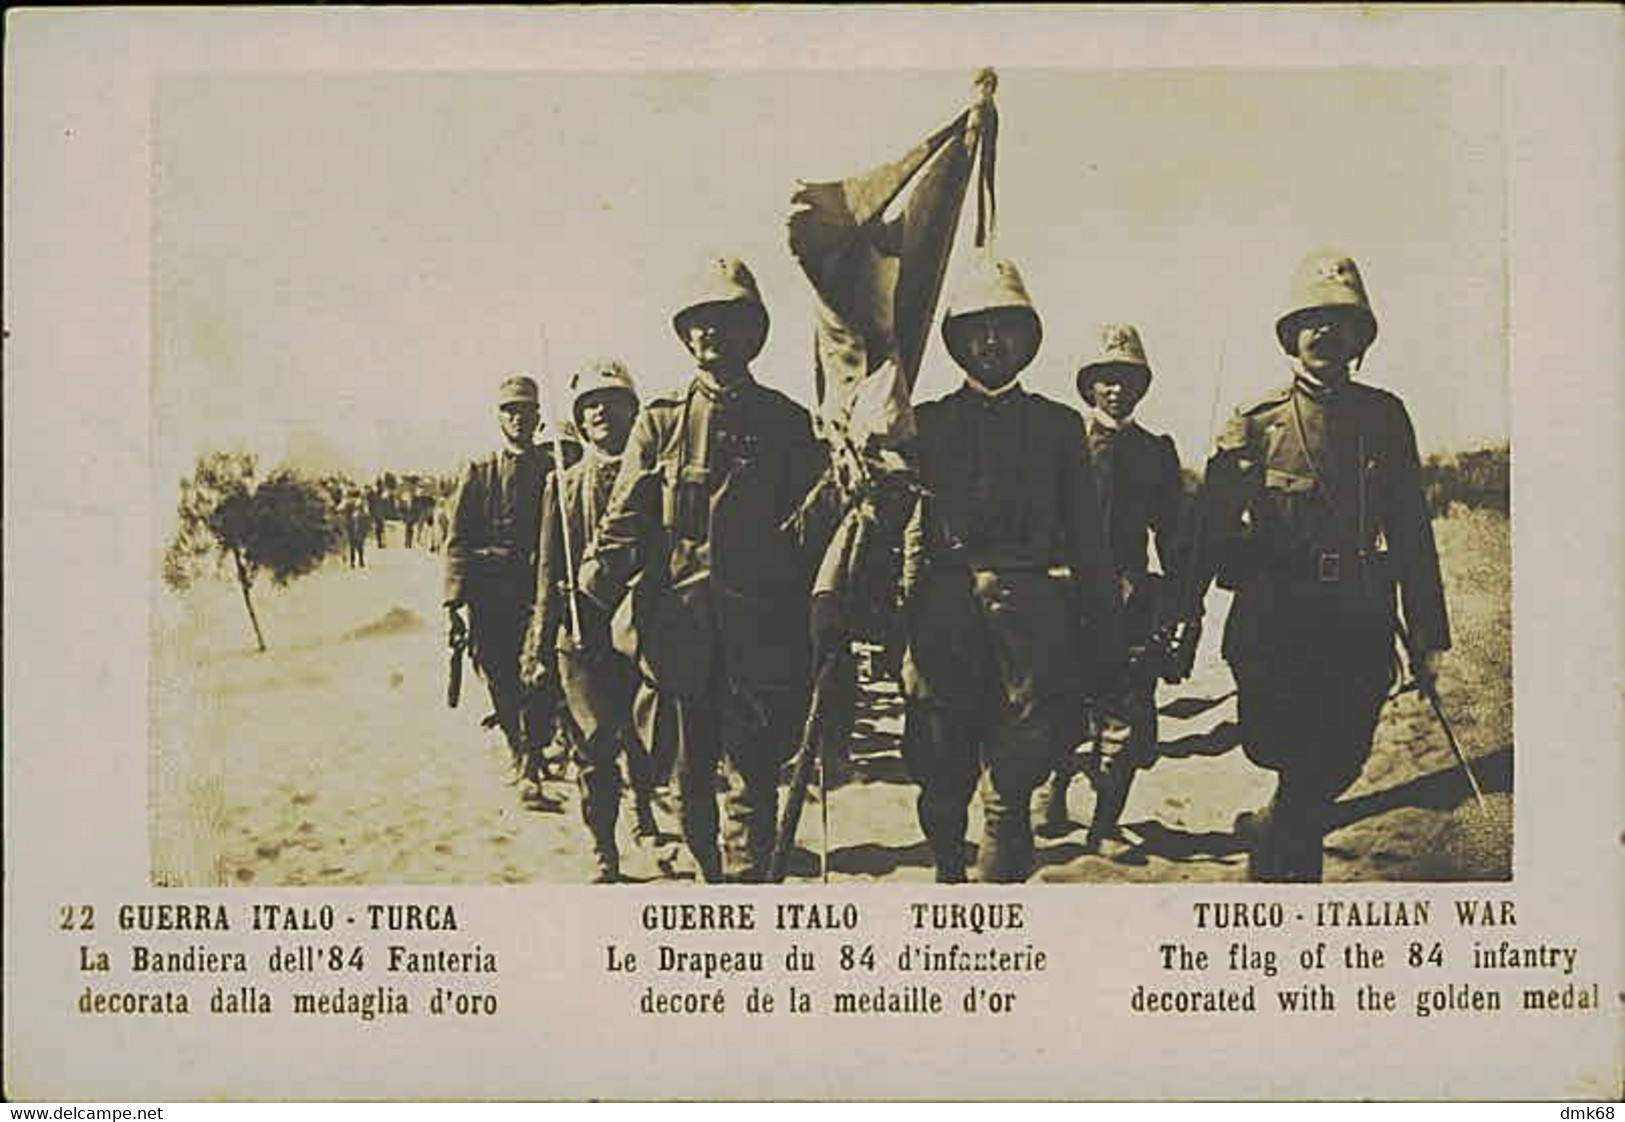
(1322,566)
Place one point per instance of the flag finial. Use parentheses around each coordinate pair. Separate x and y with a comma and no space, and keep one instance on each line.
(986,83)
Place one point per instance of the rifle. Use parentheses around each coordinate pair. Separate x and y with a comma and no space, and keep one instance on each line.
(454,669)
(835,668)
(809,754)
(558,487)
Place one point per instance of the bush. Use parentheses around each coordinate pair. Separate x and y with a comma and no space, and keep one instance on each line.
(284,526)
(1479,480)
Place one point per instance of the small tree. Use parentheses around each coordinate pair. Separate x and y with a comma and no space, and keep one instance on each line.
(284,526)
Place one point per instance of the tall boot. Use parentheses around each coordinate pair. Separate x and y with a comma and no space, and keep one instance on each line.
(600,804)
(709,860)
(1285,839)
(640,777)
(1309,858)
(751,824)
(1006,856)
(1255,829)
(606,860)
(1054,819)
(1304,850)
(697,812)
(944,830)
(1111,795)
(646,827)
(949,855)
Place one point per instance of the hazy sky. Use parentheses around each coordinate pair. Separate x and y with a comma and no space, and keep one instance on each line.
(354,261)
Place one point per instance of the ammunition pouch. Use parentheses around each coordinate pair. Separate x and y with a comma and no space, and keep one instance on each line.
(669,629)
(685,501)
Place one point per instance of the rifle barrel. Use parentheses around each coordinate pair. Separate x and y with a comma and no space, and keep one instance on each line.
(542,379)
(454,677)
(809,756)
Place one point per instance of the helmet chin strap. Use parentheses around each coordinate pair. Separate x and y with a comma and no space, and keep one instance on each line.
(1317,385)
(985,391)
(1106,420)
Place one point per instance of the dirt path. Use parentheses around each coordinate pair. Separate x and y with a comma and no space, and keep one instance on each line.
(332,758)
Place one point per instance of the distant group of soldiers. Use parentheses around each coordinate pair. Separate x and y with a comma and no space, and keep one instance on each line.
(365,512)
(660,584)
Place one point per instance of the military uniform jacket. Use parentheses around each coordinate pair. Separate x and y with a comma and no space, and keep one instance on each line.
(492,536)
(1137,478)
(1316,513)
(1010,494)
(1136,474)
(355,514)
(708,479)
(586,488)
(597,686)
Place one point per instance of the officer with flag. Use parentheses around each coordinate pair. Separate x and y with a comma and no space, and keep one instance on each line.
(1010,606)
(1315,517)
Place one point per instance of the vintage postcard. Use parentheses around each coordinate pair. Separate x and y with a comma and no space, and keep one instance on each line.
(889,555)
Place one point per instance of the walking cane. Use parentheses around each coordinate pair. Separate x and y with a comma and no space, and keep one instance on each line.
(1431,692)
(823,813)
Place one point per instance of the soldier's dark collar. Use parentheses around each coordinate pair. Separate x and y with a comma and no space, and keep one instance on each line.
(1316,390)
(716,391)
(978,392)
(1100,419)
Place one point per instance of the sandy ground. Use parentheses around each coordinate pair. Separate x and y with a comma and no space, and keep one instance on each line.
(332,758)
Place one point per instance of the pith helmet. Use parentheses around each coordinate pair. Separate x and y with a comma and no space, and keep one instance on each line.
(1326,279)
(726,281)
(518,389)
(990,285)
(598,377)
(1121,355)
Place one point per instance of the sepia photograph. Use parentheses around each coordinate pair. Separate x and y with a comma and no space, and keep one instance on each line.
(958,614)
(913,554)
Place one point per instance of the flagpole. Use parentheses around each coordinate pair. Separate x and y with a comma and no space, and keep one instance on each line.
(878,278)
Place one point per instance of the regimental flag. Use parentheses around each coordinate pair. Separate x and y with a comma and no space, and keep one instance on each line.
(875,247)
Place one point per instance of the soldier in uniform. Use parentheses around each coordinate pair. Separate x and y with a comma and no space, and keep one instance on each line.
(406,503)
(378,510)
(1315,514)
(719,615)
(1136,475)
(491,563)
(1007,587)
(356,521)
(597,687)
(419,515)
